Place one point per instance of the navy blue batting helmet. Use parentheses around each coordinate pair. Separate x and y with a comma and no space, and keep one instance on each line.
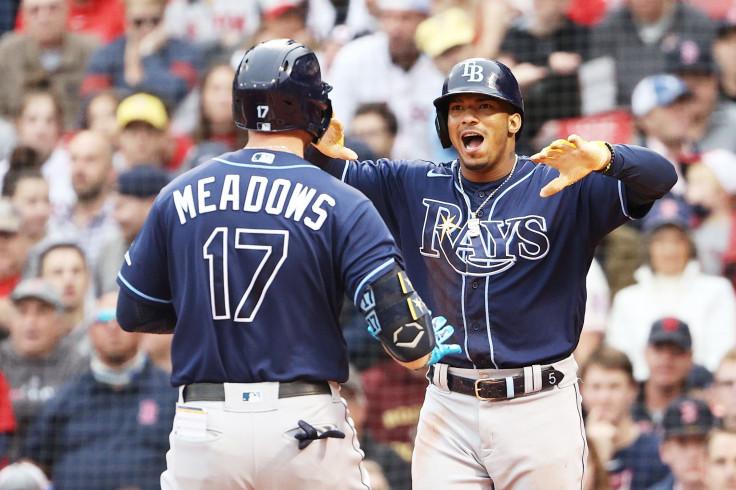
(477,76)
(279,87)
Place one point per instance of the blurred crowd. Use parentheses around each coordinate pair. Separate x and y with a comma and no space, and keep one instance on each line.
(103,102)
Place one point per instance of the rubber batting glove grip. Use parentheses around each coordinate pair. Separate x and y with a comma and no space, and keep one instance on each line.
(442,332)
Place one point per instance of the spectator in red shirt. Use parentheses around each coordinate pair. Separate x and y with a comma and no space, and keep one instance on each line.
(13,255)
(103,19)
(7,421)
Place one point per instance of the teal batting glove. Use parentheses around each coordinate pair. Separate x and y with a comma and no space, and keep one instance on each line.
(442,332)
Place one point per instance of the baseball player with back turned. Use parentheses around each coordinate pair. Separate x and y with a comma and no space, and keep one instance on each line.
(500,245)
(246,258)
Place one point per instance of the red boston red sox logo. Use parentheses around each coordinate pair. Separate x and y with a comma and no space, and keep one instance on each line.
(688,412)
(147,412)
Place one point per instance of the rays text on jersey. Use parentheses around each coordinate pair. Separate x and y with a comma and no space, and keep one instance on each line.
(252,195)
(500,245)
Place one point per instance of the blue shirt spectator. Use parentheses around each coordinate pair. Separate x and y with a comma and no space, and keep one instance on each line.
(93,436)
(144,59)
(637,466)
(108,427)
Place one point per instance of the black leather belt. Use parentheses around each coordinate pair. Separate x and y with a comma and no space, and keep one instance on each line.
(215,392)
(497,388)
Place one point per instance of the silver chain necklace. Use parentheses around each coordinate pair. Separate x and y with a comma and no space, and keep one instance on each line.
(473,220)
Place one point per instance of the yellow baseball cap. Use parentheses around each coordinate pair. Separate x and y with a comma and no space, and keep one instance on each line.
(143,107)
(443,31)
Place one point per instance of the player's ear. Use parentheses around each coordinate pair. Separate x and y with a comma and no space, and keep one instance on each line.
(514,123)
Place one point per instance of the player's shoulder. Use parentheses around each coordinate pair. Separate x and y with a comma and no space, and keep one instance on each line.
(430,170)
(335,186)
(421,167)
(193,177)
(526,166)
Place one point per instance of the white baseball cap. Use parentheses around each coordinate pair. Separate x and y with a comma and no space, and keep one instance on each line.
(723,165)
(413,5)
(23,475)
(657,91)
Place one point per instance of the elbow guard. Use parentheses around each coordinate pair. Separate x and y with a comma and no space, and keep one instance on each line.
(397,316)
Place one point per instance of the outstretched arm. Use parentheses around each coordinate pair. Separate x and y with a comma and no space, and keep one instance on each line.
(574,158)
(647,175)
(332,142)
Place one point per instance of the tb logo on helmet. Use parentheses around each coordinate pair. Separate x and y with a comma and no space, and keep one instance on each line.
(472,71)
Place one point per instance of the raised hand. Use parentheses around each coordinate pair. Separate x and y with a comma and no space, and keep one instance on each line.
(333,141)
(574,158)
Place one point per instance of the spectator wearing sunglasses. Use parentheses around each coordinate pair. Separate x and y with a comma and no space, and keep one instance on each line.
(145,59)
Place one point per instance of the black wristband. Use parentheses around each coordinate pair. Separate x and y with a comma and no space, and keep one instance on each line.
(605,170)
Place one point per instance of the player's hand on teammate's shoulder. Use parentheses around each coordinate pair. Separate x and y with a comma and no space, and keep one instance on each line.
(574,158)
(332,142)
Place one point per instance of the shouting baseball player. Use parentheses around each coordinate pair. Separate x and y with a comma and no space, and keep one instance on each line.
(501,244)
(246,258)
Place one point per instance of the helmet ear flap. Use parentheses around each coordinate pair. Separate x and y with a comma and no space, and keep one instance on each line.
(440,124)
(238,113)
(324,123)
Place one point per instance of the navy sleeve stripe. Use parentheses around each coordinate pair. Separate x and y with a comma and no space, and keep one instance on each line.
(375,273)
(142,295)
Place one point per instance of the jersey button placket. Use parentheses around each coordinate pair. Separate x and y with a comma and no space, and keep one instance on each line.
(476,326)
(474,284)
(480,213)
(482,194)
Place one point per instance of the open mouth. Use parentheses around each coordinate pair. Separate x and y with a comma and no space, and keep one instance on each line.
(471,140)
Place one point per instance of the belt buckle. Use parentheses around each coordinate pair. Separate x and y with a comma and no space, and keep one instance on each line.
(477,388)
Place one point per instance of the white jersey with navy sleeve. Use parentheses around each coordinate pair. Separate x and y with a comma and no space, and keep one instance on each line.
(243,226)
(513,290)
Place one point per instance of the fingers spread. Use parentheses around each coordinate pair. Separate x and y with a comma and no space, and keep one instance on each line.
(557,144)
(546,153)
(454,349)
(576,140)
(445,333)
(438,322)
